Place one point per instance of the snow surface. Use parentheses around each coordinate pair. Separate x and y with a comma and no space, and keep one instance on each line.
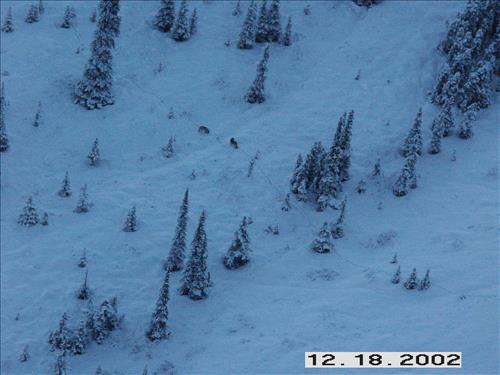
(288,300)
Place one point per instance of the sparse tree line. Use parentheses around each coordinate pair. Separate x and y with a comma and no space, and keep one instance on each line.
(413,282)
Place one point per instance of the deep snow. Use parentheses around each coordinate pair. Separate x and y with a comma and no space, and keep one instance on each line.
(288,300)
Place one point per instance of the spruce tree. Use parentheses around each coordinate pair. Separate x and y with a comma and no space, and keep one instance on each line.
(329,183)
(425,283)
(407,178)
(193,23)
(195,280)
(394,259)
(412,281)
(237,9)
(4,140)
(236,256)
(84,291)
(45,219)
(338,228)
(38,115)
(69,15)
(286,203)
(287,38)
(246,38)
(256,93)
(297,175)
(33,14)
(274,31)
(29,217)
(261,35)
(94,154)
(323,242)
(413,142)
(437,134)
(176,256)
(104,321)
(158,329)
(82,205)
(8,26)
(243,234)
(397,276)
(165,18)
(65,190)
(131,221)
(168,150)
(377,169)
(60,339)
(93,91)
(445,120)
(345,146)
(181,27)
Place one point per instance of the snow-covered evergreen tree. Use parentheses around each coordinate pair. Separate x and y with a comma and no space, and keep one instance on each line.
(38,115)
(84,291)
(83,204)
(287,37)
(195,281)
(158,329)
(274,29)
(181,26)
(168,150)
(4,139)
(165,18)
(65,190)
(60,364)
(365,3)
(413,142)
(94,154)
(104,321)
(297,175)
(33,14)
(8,25)
(397,276)
(236,256)
(377,169)
(29,217)
(131,221)
(79,340)
(93,91)
(69,16)
(412,281)
(256,93)
(60,339)
(237,9)
(246,38)
(407,178)
(444,120)
(338,228)
(425,283)
(286,203)
(437,134)
(261,34)
(243,234)
(394,259)
(345,146)
(176,256)
(193,23)
(323,242)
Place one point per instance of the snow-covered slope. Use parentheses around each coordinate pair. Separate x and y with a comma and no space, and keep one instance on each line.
(288,300)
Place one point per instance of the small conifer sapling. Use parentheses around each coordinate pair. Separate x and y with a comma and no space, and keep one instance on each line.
(412,281)
(397,276)
(29,216)
(8,25)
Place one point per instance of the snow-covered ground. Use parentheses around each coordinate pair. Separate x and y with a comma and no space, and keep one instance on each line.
(288,300)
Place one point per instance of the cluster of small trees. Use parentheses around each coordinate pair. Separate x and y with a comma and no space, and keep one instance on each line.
(96,325)
(323,243)
(94,89)
(34,12)
(412,282)
(264,29)
(320,175)
(69,16)
(472,53)
(182,27)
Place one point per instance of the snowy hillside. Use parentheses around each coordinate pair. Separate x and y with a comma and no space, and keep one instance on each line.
(287,300)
